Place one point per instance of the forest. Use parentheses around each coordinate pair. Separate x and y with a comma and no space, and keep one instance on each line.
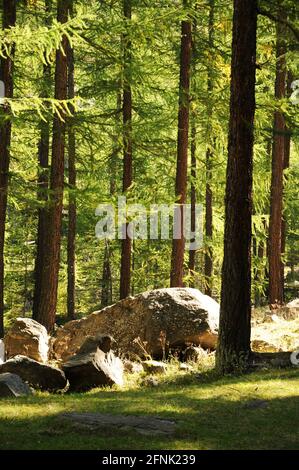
(113,111)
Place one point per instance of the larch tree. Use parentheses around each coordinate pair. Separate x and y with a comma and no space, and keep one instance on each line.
(126,245)
(46,311)
(209,158)
(107,284)
(72,208)
(235,310)
(275,247)
(6,76)
(193,169)
(192,253)
(178,243)
(43,179)
(286,165)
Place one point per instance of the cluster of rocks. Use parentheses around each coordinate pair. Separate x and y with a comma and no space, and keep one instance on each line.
(94,365)
(82,354)
(288,312)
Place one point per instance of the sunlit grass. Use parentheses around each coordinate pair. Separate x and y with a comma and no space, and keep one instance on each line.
(211,413)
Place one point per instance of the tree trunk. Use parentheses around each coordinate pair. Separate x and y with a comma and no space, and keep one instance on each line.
(43,184)
(72,209)
(46,312)
(287,151)
(208,225)
(6,76)
(106,295)
(276,198)
(126,248)
(178,244)
(192,253)
(209,158)
(107,284)
(235,311)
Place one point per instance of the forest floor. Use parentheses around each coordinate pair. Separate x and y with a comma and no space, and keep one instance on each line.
(253,411)
(281,334)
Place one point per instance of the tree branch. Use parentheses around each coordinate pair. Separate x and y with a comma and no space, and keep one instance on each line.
(289,25)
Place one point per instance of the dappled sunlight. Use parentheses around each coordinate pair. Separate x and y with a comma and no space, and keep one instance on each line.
(218,413)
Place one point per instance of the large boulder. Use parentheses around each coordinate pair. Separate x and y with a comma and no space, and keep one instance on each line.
(28,338)
(39,376)
(151,323)
(85,371)
(11,385)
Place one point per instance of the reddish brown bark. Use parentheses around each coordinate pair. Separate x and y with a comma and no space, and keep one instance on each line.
(126,246)
(209,159)
(46,312)
(276,197)
(107,284)
(106,293)
(192,253)
(178,245)
(6,76)
(208,225)
(287,151)
(235,311)
(72,208)
(43,183)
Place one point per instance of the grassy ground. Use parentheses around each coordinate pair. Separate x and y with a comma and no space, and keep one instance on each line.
(211,413)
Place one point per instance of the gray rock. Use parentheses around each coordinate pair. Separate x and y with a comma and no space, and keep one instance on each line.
(259,345)
(11,385)
(186,367)
(179,316)
(194,354)
(132,367)
(154,367)
(256,404)
(104,342)
(293,304)
(85,371)
(37,375)
(28,338)
(276,359)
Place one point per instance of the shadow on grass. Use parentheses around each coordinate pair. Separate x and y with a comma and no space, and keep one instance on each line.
(206,417)
(212,377)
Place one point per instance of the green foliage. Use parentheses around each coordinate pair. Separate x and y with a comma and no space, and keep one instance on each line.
(95,32)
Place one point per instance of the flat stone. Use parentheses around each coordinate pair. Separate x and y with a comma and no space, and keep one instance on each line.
(256,404)
(146,425)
